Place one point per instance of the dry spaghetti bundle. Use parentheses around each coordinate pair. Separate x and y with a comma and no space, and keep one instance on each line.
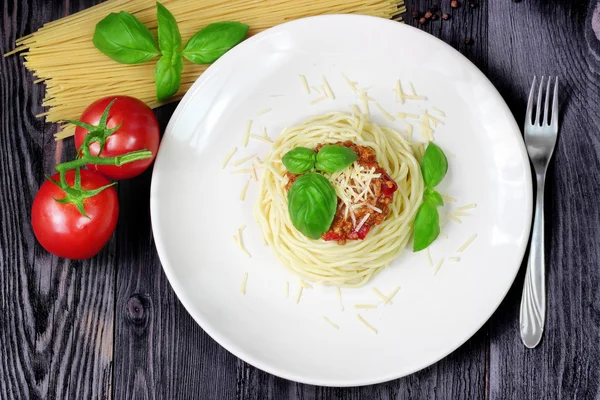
(61,53)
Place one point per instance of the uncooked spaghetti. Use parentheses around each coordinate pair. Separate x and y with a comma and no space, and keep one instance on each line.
(62,55)
(356,262)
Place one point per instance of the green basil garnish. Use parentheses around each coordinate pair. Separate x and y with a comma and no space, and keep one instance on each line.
(213,41)
(125,39)
(426,226)
(167,75)
(433,197)
(312,203)
(434,165)
(299,160)
(332,158)
(169,38)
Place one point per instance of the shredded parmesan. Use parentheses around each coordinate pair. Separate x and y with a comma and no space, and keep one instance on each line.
(365,306)
(315,101)
(386,114)
(339,296)
(315,89)
(330,323)
(399,92)
(437,266)
(327,88)
(304,84)
(442,234)
(355,109)
(238,240)
(437,110)
(228,157)
(452,217)
(403,115)
(299,294)
(381,296)
(247,133)
(243,160)
(264,132)
(244,280)
(304,284)
(287,289)
(365,323)
(467,207)
(466,244)
(393,294)
(454,259)
(461,214)
(429,257)
(244,190)
(450,154)
(261,138)
(365,102)
(263,111)
(351,85)
(254,177)
(372,207)
(362,221)
(448,198)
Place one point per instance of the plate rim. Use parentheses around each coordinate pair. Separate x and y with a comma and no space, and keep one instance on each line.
(238,350)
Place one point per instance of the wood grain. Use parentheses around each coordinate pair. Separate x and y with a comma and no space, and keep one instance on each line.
(549,39)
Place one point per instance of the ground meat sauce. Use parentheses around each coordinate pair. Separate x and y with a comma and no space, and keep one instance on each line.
(383,188)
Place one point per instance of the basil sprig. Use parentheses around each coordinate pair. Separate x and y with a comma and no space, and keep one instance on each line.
(125,39)
(426,227)
(312,203)
(333,158)
(212,42)
(299,160)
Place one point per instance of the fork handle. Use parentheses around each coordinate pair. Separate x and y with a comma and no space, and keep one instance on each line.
(533,301)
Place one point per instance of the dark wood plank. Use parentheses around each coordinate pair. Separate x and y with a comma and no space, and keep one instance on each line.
(160,351)
(56,316)
(550,38)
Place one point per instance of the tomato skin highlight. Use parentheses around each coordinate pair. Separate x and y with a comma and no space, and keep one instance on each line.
(139,130)
(62,230)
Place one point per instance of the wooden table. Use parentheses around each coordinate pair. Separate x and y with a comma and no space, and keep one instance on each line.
(111,327)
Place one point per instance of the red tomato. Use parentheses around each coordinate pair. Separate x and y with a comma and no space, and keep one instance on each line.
(139,130)
(62,230)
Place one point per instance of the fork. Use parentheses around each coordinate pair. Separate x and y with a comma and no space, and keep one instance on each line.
(540,138)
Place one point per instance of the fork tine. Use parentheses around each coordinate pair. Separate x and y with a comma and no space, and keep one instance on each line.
(554,119)
(530,103)
(546,103)
(538,109)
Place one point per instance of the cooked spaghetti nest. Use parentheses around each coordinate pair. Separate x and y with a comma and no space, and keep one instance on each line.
(356,262)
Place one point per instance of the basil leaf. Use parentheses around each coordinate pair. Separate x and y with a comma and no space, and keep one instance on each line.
(332,158)
(169,38)
(312,203)
(426,226)
(125,39)
(213,41)
(434,165)
(299,160)
(433,197)
(167,75)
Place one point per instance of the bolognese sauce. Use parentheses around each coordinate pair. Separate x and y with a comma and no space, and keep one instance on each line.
(368,191)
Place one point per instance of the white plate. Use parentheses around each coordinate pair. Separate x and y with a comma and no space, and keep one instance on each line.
(196,207)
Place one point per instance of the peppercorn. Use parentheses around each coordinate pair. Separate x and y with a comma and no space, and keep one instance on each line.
(428,15)
(468,40)
(422,21)
(415,14)
(445,17)
(454,4)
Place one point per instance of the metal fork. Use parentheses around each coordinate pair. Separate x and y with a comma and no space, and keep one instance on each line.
(540,138)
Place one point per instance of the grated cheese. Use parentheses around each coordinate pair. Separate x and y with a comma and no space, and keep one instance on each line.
(244,190)
(437,266)
(365,306)
(351,84)
(247,133)
(429,257)
(454,259)
(466,244)
(261,138)
(263,111)
(393,294)
(339,296)
(315,101)
(327,88)
(442,234)
(452,217)
(372,207)
(315,89)
(403,115)
(304,84)
(304,284)
(386,114)
(448,198)
(365,102)
(254,177)
(287,289)
(365,323)
(299,294)
(228,157)
(244,281)
(362,221)
(467,207)
(461,214)
(355,109)
(330,323)
(381,295)
(434,108)
(238,240)
(243,160)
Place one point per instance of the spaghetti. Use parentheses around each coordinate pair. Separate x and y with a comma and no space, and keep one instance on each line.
(356,262)
(61,53)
